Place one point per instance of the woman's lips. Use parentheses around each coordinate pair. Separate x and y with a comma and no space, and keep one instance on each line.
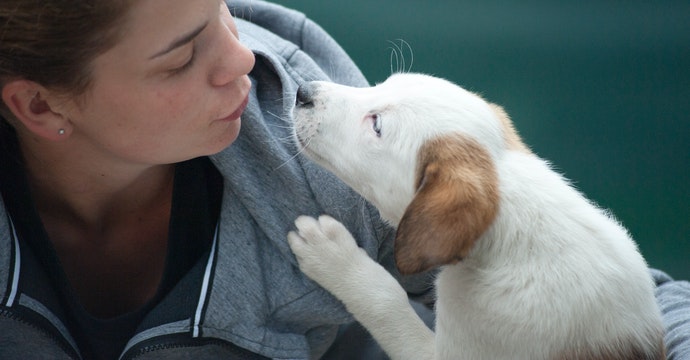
(237,113)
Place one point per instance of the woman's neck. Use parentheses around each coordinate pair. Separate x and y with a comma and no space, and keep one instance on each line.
(108,223)
(89,189)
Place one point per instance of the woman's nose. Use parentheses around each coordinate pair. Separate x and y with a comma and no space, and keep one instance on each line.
(233,60)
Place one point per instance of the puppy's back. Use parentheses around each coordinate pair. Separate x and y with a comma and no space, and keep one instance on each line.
(555,268)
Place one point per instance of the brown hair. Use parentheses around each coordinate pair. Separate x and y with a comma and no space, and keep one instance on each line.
(52,42)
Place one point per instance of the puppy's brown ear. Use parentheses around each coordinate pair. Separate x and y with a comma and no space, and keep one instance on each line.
(456,201)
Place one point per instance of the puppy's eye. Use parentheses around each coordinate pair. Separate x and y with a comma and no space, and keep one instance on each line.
(377,124)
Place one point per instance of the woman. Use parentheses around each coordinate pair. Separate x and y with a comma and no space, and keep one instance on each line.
(128,222)
(137,221)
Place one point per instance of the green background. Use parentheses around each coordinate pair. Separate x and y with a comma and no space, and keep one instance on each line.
(599,88)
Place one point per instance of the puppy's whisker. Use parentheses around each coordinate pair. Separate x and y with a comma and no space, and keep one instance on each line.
(280,117)
(405,45)
(402,58)
(282,127)
(411,52)
(399,51)
(394,57)
(300,149)
(286,139)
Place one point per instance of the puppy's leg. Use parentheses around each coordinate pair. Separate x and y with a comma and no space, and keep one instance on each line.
(329,255)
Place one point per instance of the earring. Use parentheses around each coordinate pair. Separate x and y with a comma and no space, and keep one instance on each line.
(61,132)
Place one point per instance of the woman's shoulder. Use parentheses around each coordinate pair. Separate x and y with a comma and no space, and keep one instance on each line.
(290,38)
(284,22)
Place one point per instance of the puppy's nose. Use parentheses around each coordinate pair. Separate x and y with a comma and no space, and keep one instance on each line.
(305,95)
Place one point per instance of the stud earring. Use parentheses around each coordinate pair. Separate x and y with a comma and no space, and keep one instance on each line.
(61,132)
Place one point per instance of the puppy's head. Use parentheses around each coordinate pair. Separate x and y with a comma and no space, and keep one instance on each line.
(421,149)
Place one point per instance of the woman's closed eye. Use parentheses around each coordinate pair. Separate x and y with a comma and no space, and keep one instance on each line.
(187,64)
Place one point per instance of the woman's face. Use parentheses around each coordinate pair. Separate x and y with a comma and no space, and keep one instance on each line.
(172,89)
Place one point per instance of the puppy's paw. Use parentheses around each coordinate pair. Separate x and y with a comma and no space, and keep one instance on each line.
(325,249)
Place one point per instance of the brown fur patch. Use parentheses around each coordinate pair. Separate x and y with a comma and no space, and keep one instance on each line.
(512,139)
(456,201)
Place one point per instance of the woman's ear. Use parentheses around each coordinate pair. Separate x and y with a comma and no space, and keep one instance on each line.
(457,200)
(30,104)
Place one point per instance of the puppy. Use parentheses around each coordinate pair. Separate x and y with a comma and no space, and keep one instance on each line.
(530,269)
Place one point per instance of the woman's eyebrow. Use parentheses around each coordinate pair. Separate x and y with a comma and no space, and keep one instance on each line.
(182,40)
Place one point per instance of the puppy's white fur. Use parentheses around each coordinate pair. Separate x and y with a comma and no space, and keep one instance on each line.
(530,268)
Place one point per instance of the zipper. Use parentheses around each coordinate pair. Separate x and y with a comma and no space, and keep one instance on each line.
(51,335)
(182,341)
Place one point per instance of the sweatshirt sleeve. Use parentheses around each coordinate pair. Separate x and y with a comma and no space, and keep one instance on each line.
(673,297)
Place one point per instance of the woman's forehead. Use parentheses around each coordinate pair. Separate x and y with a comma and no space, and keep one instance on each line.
(153,26)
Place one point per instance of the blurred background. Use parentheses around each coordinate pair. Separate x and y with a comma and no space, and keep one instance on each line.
(599,88)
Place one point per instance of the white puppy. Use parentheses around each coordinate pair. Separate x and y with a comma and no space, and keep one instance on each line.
(530,268)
